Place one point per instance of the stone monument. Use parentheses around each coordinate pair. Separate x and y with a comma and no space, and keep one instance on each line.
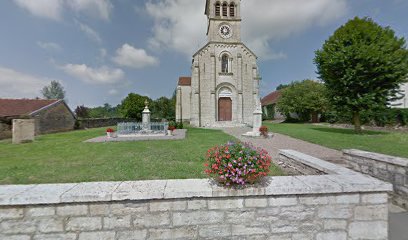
(257,121)
(146,117)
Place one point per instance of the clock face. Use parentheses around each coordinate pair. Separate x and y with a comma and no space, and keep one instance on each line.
(225,31)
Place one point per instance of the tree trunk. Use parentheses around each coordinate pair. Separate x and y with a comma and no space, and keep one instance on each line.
(357,122)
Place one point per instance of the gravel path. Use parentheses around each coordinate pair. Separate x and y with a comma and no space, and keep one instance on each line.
(279,141)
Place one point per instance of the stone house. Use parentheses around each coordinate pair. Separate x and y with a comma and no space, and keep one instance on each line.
(50,115)
(224,86)
(403,102)
(269,109)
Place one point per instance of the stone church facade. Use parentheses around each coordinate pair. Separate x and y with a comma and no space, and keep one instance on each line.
(224,85)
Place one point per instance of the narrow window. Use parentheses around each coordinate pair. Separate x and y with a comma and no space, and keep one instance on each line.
(217,9)
(232,10)
(225,10)
(224,63)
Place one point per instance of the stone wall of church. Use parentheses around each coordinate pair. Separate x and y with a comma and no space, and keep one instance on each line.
(208,81)
(183,107)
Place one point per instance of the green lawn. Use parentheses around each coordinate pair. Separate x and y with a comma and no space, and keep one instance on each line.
(64,157)
(391,143)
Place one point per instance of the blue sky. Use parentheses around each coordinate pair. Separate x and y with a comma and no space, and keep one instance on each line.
(101,50)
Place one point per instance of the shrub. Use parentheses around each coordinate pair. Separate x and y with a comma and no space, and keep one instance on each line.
(179,125)
(264,131)
(110,130)
(171,128)
(237,164)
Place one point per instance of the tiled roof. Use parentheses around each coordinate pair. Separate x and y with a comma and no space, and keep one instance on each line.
(271,98)
(18,107)
(184,81)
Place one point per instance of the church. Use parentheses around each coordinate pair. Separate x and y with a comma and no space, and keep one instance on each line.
(223,89)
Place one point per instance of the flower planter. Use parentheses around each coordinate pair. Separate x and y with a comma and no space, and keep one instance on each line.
(170,132)
(110,134)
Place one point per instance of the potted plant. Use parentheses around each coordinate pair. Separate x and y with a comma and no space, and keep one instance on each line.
(170,130)
(264,131)
(237,164)
(110,132)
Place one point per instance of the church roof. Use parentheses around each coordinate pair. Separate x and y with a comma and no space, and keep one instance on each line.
(271,98)
(184,81)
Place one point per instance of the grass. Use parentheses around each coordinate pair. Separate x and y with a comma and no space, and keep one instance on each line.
(391,143)
(64,157)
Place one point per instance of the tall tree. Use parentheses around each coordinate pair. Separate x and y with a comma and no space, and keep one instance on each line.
(307,99)
(362,65)
(53,91)
(133,105)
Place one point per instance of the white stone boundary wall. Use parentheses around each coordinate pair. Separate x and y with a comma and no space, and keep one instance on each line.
(387,168)
(331,206)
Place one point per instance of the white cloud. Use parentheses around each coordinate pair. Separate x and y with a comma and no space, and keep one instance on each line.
(14,84)
(89,32)
(102,75)
(113,92)
(98,8)
(181,24)
(51,9)
(132,57)
(50,46)
(103,52)
(178,24)
(281,19)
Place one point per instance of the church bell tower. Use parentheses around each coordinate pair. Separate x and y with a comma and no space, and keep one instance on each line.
(224,21)
(224,86)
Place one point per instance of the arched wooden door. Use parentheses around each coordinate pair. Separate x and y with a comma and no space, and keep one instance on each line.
(224,109)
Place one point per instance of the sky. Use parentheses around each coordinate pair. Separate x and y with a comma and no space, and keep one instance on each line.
(102,50)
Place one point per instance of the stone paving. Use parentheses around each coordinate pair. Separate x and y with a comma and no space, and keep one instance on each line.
(398,217)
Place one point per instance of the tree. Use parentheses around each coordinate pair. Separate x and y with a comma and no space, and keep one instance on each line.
(105,111)
(82,112)
(133,105)
(163,108)
(53,91)
(306,99)
(282,86)
(362,65)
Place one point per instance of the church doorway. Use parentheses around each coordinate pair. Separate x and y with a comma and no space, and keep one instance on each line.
(224,109)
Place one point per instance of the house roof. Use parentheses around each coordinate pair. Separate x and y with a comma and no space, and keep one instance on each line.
(18,107)
(184,81)
(271,98)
